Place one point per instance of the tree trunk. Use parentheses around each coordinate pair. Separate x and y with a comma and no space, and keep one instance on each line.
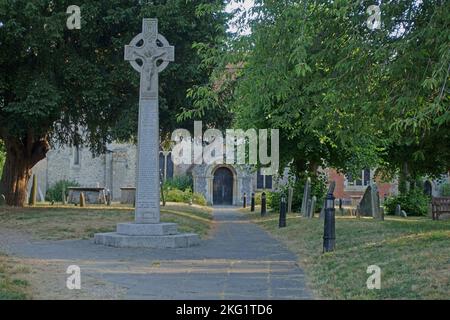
(403,179)
(20,159)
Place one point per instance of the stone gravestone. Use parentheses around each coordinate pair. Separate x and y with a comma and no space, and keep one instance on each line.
(398,210)
(370,203)
(154,53)
(331,188)
(312,207)
(290,195)
(306,194)
(2,200)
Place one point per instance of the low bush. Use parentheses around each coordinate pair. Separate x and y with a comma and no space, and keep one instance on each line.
(199,199)
(54,193)
(415,203)
(182,183)
(176,195)
(445,190)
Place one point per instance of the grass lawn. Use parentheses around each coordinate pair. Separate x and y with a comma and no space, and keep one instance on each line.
(413,254)
(69,222)
(12,284)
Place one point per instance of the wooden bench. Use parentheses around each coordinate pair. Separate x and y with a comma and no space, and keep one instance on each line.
(439,205)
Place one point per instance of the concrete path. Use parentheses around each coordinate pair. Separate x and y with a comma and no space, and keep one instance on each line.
(239,261)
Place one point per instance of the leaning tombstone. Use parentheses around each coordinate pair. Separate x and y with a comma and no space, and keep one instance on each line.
(404,214)
(308,208)
(370,203)
(290,195)
(2,200)
(330,190)
(312,207)
(375,203)
(306,194)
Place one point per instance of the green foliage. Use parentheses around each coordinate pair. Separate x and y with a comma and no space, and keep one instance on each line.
(318,189)
(79,78)
(199,199)
(54,193)
(184,196)
(415,203)
(74,87)
(176,195)
(180,182)
(445,190)
(342,95)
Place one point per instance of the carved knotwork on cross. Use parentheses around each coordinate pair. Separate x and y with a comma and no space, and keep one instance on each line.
(154,49)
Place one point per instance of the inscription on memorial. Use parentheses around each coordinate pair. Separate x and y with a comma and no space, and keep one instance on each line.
(149,48)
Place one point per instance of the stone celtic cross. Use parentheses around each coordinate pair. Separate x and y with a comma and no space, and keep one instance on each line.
(153,48)
(149,53)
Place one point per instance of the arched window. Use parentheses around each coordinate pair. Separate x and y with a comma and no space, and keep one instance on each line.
(76,156)
(166,166)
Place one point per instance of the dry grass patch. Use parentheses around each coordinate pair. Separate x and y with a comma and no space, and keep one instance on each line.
(70,222)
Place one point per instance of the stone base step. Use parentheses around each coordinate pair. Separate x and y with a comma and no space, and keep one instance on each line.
(147,229)
(114,239)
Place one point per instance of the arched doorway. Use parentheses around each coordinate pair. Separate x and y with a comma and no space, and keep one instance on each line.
(428,188)
(223,187)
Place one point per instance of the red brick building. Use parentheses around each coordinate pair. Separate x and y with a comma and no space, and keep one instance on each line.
(351,189)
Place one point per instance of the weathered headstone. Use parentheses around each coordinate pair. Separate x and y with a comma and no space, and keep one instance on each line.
(312,207)
(290,195)
(149,53)
(41,195)
(2,200)
(398,210)
(370,203)
(404,214)
(306,195)
(331,188)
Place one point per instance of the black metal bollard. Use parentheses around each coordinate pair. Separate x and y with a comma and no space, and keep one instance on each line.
(252,205)
(263,204)
(282,221)
(244,201)
(329,236)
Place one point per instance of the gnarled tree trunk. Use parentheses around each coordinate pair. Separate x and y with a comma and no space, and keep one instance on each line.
(20,159)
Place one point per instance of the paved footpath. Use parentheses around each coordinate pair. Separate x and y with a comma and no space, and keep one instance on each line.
(239,261)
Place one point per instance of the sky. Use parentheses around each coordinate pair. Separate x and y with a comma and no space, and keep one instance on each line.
(247,4)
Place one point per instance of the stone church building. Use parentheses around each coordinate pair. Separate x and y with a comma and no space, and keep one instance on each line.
(220,184)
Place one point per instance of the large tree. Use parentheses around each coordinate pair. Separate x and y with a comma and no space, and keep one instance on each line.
(343,94)
(73,86)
